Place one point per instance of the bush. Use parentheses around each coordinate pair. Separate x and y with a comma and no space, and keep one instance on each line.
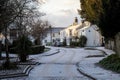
(13,50)
(74,44)
(49,44)
(112,62)
(23,48)
(34,50)
(12,65)
(64,42)
(3,47)
(82,41)
(37,49)
(12,47)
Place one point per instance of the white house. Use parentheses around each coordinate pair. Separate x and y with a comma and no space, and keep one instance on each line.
(74,31)
(52,37)
(94,38)
(70,33)
(55,36)
(12,34)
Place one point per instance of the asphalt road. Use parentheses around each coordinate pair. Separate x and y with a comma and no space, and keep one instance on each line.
(60,66)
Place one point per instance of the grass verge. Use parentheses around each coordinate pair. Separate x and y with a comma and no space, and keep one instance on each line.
(111,62)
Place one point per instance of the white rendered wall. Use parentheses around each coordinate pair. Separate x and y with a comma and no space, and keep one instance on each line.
(93,36)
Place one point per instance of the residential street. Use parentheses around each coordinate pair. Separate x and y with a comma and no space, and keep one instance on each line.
(59,40)
(59,66)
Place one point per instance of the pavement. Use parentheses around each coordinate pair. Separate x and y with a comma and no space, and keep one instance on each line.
(89,67)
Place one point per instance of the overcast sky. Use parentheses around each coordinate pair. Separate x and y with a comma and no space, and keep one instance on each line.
(60,13)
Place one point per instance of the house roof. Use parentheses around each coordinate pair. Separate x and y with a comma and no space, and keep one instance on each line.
(85,25)
(55,29)
(92,26)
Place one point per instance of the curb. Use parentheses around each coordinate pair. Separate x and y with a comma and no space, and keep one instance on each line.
(25,72)
(102,52)
(83,73)
(27,69)
(98,50)
(12,75)
(53,53)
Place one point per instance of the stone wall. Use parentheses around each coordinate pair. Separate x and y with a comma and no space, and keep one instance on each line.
(110,44)
(117,40)
(114,44)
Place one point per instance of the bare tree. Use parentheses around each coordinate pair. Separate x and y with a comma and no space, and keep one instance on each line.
(39,29)
(15,11)
(7,16)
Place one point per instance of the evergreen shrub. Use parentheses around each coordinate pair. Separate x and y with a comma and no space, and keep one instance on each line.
(112,62)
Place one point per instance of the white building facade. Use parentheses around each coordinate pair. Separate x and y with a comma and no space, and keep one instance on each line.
(52,37)
(94,38)
(74,31)
(70,33)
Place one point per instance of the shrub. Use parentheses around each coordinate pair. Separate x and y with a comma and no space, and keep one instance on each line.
(112,62)
(37,49)
(64,42)
(12,47)
(3,47)
(34,50)
(14,43)
(74,44)
(82,41)
(12,65)
(23,48)
(13,50)
(49,44)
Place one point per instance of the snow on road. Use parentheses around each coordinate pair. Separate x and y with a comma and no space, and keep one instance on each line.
(61,66)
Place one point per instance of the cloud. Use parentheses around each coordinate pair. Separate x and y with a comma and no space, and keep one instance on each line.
(60,13)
